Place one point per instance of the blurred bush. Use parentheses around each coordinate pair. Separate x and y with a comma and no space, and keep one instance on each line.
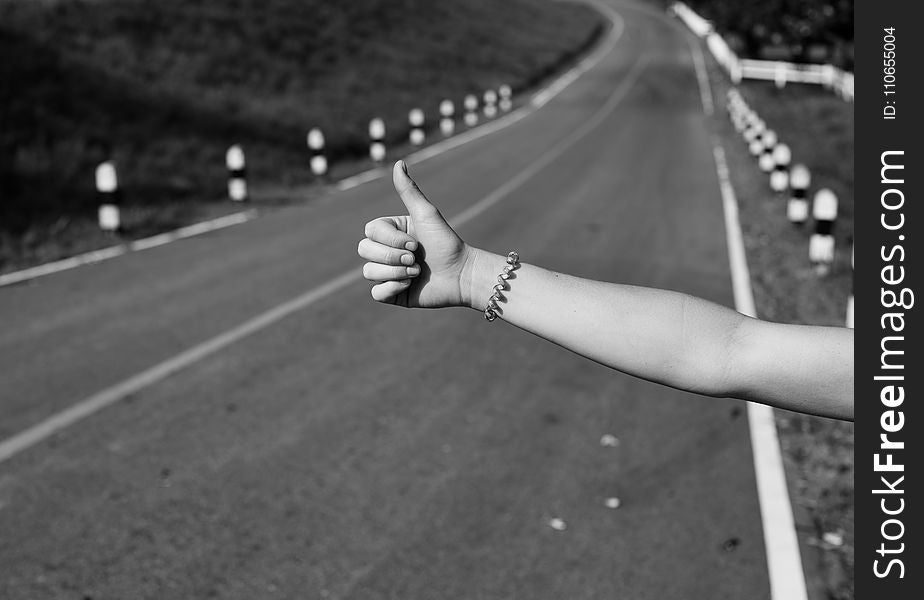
(811,31)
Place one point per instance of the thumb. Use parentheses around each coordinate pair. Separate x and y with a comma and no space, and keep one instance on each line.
(414,200)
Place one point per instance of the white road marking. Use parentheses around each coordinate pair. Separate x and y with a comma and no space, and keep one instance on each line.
(539,100)
(784,561)
(114,251)
(193,230)
(781,543)
(553,153)
(88,406)
(702,77)
(741,276)
(361,178)
(62,265)
(553,89)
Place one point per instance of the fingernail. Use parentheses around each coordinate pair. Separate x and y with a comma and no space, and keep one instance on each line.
(414,270)
(404,167)
(407,259)
(412,245)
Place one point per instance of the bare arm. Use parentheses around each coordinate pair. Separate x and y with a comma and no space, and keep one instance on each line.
(675,339)
(671,338)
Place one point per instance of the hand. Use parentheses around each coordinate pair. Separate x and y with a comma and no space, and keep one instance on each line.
(417,260)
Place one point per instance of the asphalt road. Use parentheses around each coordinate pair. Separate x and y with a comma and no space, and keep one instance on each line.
(354,450)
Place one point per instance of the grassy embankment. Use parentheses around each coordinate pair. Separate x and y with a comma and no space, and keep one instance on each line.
(818,126)
(165,87)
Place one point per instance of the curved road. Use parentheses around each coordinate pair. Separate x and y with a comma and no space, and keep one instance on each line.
(353,450)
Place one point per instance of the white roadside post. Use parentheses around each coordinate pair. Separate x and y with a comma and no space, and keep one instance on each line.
(747,117)
(737,110)
(829,75)
(237,173)
(471,110)
(748,122)
(416,120)
(747,132)
(447,123)
(779,178)
(377,140)
(850,297)
(107,191)
(756,144)
(821,244)
(490,104)
(316,146)
(799,181)
(734,70)
(779,75)
(738,121)
(506,97)
(730,98)
(750,118)
(734,101)
(766,161)
(731,105)
(744,120)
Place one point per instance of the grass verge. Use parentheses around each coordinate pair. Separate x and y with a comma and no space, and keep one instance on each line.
(165,87)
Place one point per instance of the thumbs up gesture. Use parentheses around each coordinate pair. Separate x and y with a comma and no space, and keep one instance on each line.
(415,260)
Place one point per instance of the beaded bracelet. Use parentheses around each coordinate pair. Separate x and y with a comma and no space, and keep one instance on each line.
(513,263)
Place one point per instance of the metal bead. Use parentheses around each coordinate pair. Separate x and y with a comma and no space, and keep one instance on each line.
(513,263)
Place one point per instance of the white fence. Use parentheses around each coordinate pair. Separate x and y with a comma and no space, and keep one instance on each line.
(779,72)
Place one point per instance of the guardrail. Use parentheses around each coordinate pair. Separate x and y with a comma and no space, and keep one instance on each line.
(781,73)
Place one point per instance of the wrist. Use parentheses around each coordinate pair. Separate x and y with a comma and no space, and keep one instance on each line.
(479,274)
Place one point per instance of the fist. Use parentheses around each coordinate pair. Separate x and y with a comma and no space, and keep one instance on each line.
(415,260)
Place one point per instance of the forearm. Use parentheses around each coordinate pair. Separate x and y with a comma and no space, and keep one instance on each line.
(676,339)
(662,336)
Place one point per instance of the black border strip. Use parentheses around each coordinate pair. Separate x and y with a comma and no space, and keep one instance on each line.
(882,256)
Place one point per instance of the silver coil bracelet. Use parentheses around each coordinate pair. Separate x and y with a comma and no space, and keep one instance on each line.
(513,263)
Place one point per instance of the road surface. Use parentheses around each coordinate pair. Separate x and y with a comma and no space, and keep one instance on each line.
(352,450)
